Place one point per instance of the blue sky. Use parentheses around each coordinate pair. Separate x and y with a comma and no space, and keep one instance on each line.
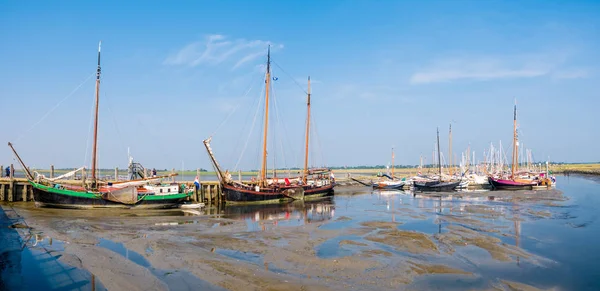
(385,74)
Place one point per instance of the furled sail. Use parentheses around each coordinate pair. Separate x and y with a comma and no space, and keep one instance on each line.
(63,176)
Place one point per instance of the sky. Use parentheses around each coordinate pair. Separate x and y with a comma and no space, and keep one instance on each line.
(385,74)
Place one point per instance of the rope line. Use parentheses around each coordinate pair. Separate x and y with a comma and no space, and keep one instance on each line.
(87,142)
(293,79)
(258,106)
(55,106)
(247,126)
(234,109)
(114,119)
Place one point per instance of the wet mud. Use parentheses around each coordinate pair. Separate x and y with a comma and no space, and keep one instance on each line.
(359,240)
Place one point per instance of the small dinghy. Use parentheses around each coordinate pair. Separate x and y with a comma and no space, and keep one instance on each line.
(191,205)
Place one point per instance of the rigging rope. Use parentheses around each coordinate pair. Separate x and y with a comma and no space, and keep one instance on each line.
(235,108)
(55,106)
(247,126)
(279,122)
(299,86)
(316,132)
(87,142)
(250,132)
(114,120)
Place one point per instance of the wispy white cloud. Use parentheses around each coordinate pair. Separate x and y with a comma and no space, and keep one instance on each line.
(218,49)
(488,68)
(571,74)
(248,58)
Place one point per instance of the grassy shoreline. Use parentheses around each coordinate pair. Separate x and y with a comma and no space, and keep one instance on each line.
(587,169)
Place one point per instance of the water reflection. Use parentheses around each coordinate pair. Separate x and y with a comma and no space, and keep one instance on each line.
(266,216)
(42,257)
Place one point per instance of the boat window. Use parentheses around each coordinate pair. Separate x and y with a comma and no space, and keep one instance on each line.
(160,190)
(169,190)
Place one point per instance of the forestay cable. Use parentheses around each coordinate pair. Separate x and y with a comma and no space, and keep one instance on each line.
(55,106)
(258,106)
(235,108)
(299,86)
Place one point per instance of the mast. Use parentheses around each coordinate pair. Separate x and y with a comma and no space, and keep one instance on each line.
(29,175)
(392,163)
(95,145)
(468,156)
(450,151)
(263,172)
(512,172)
(307,132)
(439,154)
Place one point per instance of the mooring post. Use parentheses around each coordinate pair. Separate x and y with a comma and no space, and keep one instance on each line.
(29,193)
(209,194)
(11,183)
(1,171)
(201,189)
(216,191)
(11,189)
(51,171)
(219,193)
(83,174)
(24,193)
(2,192)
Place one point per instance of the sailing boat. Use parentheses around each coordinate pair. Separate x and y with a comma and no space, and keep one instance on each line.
(312,183)
(513,183)
(439,185)
(392,183)
(127,194)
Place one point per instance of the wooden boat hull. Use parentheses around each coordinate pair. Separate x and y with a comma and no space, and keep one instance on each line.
(500,184)
(393,186)
(435,186)
(45,196)
(238,195)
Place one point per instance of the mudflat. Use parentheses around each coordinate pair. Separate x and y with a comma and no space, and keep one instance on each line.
(358,240)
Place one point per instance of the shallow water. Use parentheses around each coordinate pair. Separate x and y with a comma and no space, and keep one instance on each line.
(563,236)
(174,279)
(560,237)
(34,263)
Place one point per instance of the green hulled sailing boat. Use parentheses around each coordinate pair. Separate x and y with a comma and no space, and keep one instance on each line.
(137,193)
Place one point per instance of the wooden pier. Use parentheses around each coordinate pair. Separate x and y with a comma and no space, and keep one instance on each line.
(14,189)
(19,190)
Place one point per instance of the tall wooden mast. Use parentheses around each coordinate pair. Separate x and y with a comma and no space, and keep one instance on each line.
(468,156)
(95,145)
(439,153)
(392,163)
(307,133)
(450,151)
(263,172)
(515,141)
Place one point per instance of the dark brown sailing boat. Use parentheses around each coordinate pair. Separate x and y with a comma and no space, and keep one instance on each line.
(439,185)
(312,183)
